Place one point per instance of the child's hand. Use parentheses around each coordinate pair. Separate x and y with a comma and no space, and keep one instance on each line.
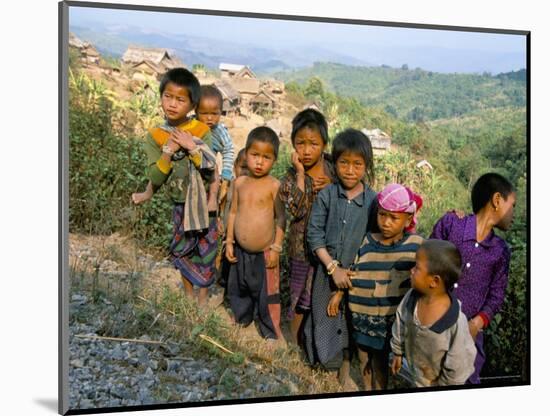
(272,259)
(229,253)
(296,163)
(396,364)
(342,278)
(223,190)
(184,139)
(475,324)
(172,145)
(320,182)
(334,303)
(220,226)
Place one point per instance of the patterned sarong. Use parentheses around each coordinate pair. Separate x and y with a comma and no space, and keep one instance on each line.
(301,277)
(372,331)
(193,253)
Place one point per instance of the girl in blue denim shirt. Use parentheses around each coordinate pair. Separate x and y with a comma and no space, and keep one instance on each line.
(336,228)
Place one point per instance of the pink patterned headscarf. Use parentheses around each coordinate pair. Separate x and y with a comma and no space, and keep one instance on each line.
(399,198)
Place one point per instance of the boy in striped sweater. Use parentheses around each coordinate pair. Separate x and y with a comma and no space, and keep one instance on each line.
(381,277)
(209,112)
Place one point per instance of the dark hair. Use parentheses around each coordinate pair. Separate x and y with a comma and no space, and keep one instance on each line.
(351,140)
(312,119)
(240,156)
(444,260)
(486,186)
(212,91)
(183,78)
(263,134)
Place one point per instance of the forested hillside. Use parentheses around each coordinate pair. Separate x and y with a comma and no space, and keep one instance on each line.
(415,94)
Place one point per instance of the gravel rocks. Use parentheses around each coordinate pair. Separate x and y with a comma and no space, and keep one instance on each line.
(106,373)
(109,374)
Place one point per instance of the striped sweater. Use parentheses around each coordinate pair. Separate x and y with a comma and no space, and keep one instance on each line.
(222,143)
(382,275)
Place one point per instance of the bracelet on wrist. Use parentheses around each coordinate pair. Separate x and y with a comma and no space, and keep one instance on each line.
(166,149)
(276,247)
(332,266)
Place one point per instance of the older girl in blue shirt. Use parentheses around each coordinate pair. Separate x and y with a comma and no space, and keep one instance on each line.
(337,225)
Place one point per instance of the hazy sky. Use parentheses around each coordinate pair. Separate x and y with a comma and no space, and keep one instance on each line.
(276,31)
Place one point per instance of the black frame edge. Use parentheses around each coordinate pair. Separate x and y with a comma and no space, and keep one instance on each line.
(63,204)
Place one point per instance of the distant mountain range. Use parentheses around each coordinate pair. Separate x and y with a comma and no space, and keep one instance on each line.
(113,41)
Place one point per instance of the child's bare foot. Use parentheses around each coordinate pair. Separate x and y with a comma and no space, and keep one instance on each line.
(344,378)
(348,384)
(202,298)
(275,343)
(141,197)
(270,344)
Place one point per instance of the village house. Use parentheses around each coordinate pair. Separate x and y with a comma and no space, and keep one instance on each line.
(245,72)
(380,140)
(88,54)
(231,98)
(241,79)
(274,87)
(229,70)
(263,102)
(151,61)
(246,87)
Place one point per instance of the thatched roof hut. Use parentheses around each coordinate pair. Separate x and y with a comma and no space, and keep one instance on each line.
(88,53)
(229,70)
(273,86)
(236,71)
(249,86)
(380,140)
(263,101)
(246,73)
(76,42)
(231,97)
(158,60)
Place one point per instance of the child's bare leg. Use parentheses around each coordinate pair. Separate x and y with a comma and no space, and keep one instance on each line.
(188,287)
(380,369)
(366,369)
(140,197)
(203,296)
(344,373)
(295,325)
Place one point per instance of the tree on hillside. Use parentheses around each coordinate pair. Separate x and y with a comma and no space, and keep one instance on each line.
(314,89)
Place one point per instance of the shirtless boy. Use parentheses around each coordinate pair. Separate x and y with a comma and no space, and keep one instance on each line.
(255,232)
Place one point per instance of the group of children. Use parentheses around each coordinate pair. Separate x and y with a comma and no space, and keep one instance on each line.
(362,282)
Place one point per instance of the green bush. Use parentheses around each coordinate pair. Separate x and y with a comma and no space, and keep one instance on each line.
(105,169)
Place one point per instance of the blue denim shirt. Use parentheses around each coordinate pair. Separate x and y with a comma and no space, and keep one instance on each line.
(338,223)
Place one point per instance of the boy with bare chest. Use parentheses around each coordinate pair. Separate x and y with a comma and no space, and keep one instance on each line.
(255,233)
